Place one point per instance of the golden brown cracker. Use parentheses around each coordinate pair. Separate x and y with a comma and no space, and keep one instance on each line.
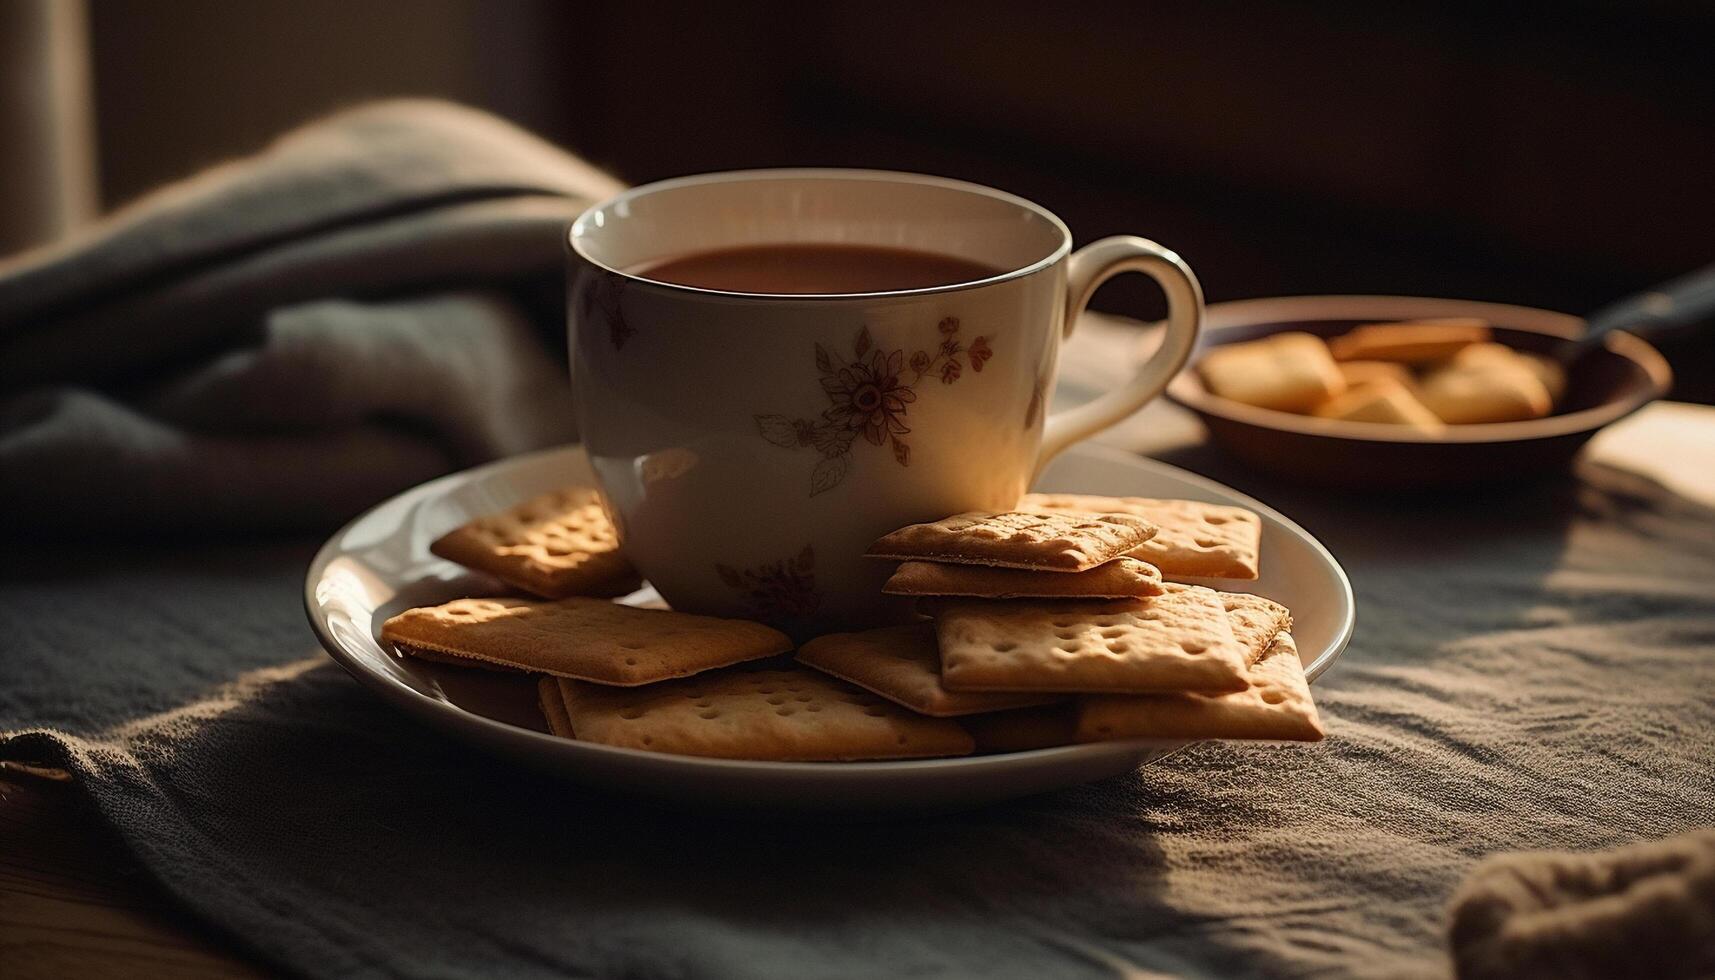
(902,664)
(1193,539)
(555,545)
(1288,372)
(1120,578)
(787,715)
(1062,541)
(1363,372)
(1476,392)
(1410,342)
(1550,372)
(1385,401)
(589,639)
(1255,621)
(1547,369)
(1275,704)
(1181,640)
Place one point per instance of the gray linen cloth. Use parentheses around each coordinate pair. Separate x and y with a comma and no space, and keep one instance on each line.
(1532,670)
(279,341)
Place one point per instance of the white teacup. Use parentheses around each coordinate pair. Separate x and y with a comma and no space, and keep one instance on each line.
(752,446)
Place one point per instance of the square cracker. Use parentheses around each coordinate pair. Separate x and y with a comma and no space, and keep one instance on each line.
(1256,623)
(1275,704)
(589,639)
(556,545)
(1121,578)
(1064,541)
(553,705)
(902,664)
(789,715)
(1194,538)
(1179,641)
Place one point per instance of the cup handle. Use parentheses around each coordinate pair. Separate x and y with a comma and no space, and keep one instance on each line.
(1087,269)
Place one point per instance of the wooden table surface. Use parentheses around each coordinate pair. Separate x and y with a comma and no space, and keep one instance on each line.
(74,903)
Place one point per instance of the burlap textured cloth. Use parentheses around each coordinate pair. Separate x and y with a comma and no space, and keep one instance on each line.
(1534,669)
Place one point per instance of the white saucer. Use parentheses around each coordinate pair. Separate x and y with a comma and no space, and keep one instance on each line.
(380,564)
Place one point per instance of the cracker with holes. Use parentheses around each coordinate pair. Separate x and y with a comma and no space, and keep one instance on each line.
(1193,539)
(1275,704)
(1060,542)
(1178,641)
(902,664)
(556,545)
(588,639)
(1255,621)
(1121,578)
(790,715)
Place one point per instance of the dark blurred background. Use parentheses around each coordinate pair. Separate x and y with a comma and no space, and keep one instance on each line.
(1551,154)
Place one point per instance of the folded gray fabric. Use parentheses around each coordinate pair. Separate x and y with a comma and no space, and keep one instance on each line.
(338,404)
(280,340)
(1645,910)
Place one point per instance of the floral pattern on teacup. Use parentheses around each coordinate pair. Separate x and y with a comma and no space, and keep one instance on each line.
(778,591)
(600,295)
(869,396)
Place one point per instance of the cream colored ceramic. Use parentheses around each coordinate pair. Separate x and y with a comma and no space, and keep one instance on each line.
(380,565)
(751,446)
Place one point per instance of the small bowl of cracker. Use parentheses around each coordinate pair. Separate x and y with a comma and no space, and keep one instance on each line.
(1392,392)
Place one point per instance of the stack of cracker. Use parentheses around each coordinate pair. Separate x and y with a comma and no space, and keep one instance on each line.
(1052,624)
(1064,603)
(1423,374)
(641,678)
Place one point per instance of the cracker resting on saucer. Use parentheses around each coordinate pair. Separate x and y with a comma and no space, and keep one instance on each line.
(1275,704)
(1121,578)
(588,639)
(903,664)
(1192,539)
(1064,541)
(555,545)
(1255,621)
(1178,641)
(788,715)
